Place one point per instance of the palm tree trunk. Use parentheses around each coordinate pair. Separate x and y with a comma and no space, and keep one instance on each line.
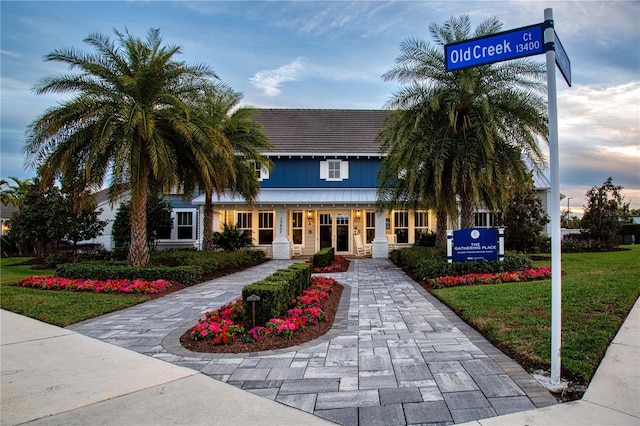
(441,228)
(207,232)
(139,247)
(467,207)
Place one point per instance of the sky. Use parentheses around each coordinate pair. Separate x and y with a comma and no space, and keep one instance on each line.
(325,54)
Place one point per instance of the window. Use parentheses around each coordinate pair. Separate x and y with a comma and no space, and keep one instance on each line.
(370,226)
(185,225)
(480,220)
(262,173)
(244,221)
(265,227)
(401,227)
(334,170)
(296,227)
(421,224)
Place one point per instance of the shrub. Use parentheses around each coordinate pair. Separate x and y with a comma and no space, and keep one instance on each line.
(210,262)
(426,239)
(118,270)
(324,257)
(276,292)
(232,238)
(426,263)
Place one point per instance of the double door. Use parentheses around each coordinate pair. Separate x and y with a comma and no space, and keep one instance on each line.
(335,231)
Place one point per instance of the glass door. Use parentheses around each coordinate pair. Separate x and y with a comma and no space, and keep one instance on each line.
(326,231)
(342,232)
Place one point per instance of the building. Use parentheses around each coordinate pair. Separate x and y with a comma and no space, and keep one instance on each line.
(320,193)
(322,189)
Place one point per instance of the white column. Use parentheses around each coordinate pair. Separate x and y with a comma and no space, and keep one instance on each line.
(380,245)
(281,247)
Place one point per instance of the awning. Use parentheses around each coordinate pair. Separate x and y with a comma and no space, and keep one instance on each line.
(300,197)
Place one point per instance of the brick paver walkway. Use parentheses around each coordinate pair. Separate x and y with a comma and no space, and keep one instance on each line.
(395,355)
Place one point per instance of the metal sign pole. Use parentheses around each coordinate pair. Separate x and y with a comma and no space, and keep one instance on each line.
(556,237)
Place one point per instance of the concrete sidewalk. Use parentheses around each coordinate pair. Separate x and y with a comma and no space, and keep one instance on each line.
(53,376)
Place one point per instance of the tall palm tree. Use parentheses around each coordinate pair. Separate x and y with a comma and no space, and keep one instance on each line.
(131,118)
(481,113)
(235,126)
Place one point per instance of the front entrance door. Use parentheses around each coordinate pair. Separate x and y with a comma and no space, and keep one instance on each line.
(342,232)
(326,230)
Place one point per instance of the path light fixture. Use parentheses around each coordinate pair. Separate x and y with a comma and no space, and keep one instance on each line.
(253,299)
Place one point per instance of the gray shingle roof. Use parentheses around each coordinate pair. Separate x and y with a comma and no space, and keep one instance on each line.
(322,131)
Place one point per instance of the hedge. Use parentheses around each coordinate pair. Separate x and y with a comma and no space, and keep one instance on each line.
(324,257)
(428,263)
(276,292)
(117,270)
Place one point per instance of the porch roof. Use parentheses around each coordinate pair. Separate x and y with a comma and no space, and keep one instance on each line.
(300,197)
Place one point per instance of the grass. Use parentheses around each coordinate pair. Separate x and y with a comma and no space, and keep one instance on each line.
(61,308)
(598,291)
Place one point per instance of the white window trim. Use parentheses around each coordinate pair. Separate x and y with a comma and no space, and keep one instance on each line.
(264,171)
(174,229)
(344,170)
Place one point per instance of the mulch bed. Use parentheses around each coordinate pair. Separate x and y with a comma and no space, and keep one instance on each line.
(267,343)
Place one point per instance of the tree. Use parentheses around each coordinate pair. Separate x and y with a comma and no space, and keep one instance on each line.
(604,213)
(475,125)
(235,127)
(159,222)
(133,116)
(524,220)
(15,193)
(48,217)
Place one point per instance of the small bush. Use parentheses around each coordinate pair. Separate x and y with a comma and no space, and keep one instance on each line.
(426,239)
(324,257)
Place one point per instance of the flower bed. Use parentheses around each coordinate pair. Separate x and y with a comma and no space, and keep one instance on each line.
(540,273)
(340,264)
(97,286)
(224,325)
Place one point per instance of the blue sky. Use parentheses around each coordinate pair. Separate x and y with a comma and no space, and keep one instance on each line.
(332,54)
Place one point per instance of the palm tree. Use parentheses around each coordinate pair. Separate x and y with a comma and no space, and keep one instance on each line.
(476,124)
(420,183)
(235,126)
(131,118)
(15,193)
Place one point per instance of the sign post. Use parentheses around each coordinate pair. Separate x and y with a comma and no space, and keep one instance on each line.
(556,233)
(504,46)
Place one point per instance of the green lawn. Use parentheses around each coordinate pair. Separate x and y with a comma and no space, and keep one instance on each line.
(598,291)
(55,307)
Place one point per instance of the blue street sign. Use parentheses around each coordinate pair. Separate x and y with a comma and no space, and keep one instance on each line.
(563,62)
(512,44)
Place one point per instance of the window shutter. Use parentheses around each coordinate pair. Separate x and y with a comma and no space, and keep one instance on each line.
(324,169)
(344,170)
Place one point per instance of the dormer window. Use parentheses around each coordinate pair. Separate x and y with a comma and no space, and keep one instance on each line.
(334,170)
(262,173)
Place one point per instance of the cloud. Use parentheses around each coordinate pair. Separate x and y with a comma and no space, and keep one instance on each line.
(10,53)
(610,114)
(269,81)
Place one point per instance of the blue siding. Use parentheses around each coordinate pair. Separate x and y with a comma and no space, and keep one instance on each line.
(305,173)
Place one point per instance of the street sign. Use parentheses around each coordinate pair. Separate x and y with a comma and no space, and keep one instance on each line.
(563,62)
(512,44)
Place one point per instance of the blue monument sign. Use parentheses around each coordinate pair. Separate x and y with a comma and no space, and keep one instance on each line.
(517,43)
(475,244)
